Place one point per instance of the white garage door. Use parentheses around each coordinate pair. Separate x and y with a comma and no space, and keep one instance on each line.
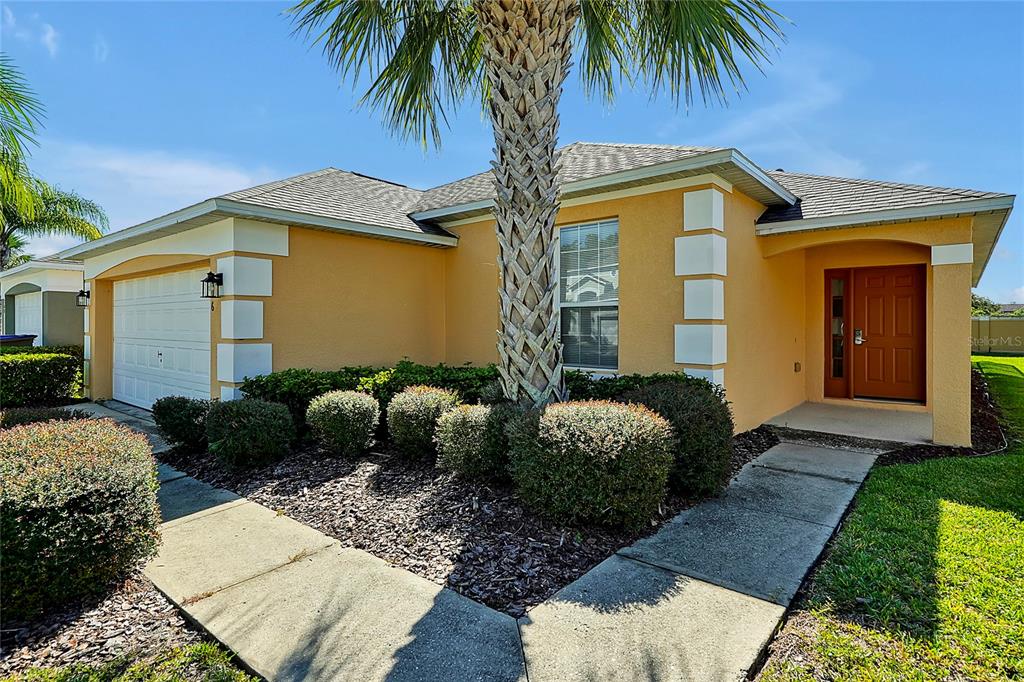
(28,315)
(161,338)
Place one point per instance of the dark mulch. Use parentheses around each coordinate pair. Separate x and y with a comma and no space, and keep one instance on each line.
(476,538)
(135,620)
(986,433)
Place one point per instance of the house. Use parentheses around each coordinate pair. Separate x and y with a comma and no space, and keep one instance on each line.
(783,287)
(39,300)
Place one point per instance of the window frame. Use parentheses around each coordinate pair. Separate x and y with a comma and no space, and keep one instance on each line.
(593,371)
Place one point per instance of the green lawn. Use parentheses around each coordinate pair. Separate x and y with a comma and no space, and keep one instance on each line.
(926,579)
(198,662)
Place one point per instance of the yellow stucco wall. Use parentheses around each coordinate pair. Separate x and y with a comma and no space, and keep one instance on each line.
(348,300)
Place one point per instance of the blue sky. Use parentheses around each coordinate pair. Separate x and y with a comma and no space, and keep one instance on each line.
(154,106)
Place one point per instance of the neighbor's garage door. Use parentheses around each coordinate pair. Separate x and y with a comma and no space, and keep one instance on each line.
(28,315)
(161,338)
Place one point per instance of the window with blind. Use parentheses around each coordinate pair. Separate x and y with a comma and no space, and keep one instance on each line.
(589,294)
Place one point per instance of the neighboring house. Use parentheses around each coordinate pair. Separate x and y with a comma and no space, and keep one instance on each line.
(782,287)
(1009,308)
(39,299)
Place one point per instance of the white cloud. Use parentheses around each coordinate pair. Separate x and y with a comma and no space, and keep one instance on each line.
(50,40)
(100,49)
(135,185)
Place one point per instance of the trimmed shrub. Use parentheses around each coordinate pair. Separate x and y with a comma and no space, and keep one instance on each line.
(584,386)
(295,388)
(77,510)
(412,418)
(702,422)
(182,421)
(470,383)
(74,351)
(471,440)
(39,378)
(592,462)
(16,416)
(344,421)
(249,433)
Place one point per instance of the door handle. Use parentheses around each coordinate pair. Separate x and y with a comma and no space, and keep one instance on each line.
(858,337)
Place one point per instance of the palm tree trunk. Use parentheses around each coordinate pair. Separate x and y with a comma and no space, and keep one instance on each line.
(527,47)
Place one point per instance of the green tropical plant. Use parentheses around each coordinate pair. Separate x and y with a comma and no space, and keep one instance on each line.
(20,113)
(55,211)
(424,57)
(16,255)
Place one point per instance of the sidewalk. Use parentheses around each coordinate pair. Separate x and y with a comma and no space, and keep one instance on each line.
(698,600)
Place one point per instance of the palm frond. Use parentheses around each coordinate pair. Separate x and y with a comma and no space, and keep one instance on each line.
(424,56)
(603,34)
(20,111)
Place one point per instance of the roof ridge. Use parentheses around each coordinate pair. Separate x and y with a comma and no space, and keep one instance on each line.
(887,183)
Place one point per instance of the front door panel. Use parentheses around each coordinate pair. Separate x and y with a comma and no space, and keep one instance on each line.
(889,333)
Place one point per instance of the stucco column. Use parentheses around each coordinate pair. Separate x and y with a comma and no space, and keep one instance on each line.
(951,354)
(100,367)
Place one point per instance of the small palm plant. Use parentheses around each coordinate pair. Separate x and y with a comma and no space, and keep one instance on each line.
(424,57)
(20,113)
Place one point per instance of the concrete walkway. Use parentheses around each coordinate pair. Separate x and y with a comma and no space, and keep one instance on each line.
(698,600)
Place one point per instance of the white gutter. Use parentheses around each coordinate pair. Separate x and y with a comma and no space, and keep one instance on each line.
(240,209)
(947,209)
(634,174)
(41,265)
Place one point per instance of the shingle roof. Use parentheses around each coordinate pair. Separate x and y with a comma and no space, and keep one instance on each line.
(821,196)
(341,195)
(580,161)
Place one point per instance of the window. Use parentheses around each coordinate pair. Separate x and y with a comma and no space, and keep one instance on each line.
(589,294)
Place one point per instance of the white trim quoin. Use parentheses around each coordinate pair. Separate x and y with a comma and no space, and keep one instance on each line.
(700,344)
(236,361)
(715,376)
(703,299)
(241,320)
(704,209)
(701,254)
(952,254)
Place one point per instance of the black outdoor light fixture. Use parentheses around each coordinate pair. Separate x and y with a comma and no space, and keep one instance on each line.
(212,284)
(82,299)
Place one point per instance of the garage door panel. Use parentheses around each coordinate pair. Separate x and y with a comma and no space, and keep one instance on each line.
(161,338)
(28,315)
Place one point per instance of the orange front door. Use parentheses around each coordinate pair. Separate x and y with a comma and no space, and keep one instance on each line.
(888,333)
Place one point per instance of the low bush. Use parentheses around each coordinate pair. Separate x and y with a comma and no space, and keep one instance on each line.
(16,416)
(412,418)
(344,421)
(182,421)
(39,378)
(249,433)
(592,462)
(702,422)
(73,351)
(295,388)
(471,440)
(470,383)
(77,510)
(584,386)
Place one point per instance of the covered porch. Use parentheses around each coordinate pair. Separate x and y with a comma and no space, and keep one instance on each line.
(859,420)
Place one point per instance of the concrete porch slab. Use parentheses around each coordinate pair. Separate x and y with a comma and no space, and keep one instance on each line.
(342,614)
(873,423)
(625,620)
(764,555)
(213,551)
(808,498)
(814,460)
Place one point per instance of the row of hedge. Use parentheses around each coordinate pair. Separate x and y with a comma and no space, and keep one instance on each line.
(594,460)
(39,378)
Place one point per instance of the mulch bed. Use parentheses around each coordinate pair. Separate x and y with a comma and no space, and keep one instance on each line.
(475,538)
(135,620)
(986,433)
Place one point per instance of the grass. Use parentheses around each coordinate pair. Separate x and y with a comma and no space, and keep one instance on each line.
(203,661)
(925,581)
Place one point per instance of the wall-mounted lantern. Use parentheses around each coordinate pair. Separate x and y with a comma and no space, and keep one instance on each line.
(82,299)
(212,284)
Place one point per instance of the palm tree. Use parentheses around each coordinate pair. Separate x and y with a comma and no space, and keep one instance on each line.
(55,211)
(16,254)
(20,113)
(425,56)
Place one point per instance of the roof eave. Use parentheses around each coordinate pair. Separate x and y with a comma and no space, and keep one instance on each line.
(226,208)
(890,215)
(40,265)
